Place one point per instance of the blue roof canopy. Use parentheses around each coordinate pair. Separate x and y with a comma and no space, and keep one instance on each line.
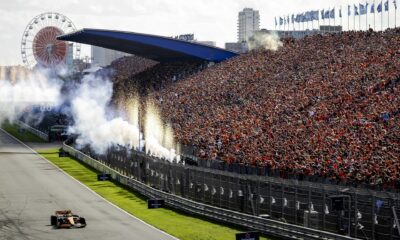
(158,48)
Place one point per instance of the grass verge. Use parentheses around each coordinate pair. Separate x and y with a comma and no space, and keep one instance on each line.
(180,225)
(23,136)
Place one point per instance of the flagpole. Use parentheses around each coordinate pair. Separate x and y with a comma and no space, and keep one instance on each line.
(366,15)
(388,14)
(341,17)
(348,18)
(359,17)
(329,20)
(381,15)
(334,17)
(354,22)
(374,16)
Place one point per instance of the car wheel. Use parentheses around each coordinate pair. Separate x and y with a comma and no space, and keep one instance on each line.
(53,220)
(82,221)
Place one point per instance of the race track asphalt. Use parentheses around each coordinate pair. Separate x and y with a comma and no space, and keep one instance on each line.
(31,189)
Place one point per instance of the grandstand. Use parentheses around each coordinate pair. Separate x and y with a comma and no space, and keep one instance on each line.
(324,106)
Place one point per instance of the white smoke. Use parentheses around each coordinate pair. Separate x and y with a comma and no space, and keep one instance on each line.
(97,126)
(22,90)
(157,134)
(265,40)
(95,123)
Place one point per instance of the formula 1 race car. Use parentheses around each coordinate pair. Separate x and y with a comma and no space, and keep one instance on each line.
(65,219)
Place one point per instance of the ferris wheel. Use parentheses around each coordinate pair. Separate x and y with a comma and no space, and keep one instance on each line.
(39,44)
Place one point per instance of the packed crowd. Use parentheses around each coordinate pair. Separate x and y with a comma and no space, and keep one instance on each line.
(125,67)
(154,78)
(324,105)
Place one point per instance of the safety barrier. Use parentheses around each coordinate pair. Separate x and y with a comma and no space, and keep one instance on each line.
(32,130)
(264,225)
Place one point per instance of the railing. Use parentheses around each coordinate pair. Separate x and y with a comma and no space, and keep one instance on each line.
(34,131)
(266,226)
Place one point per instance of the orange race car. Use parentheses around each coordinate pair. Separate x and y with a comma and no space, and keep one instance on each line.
(65,219)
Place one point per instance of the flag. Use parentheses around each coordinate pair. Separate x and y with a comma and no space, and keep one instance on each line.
(307,16)
(363,9)
(316,15)
(280,21)
(348,10)
(288,19)
(292,18)
(276,22)
(303,17)
(332,14)
(273,201)
(373,8)
(261,199)
(387,6)
(322,14)
(395,4)
(297,205)
(327,14)
(355,10)
(340,12)
(379,8)
(297,19)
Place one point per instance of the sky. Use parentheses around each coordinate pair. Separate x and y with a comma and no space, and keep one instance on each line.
(209,20)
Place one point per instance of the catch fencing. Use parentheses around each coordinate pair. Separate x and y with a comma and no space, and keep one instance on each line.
(366,214)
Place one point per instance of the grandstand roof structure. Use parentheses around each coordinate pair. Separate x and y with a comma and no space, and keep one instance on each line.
(158,48)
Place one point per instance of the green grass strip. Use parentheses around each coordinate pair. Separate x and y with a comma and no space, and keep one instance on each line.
(178,224)
(23,136)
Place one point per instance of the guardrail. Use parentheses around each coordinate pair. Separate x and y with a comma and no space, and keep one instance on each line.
(34,131)
(266,226)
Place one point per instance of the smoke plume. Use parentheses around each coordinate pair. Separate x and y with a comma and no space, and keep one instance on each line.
(265,40)
(101,128)
(21,90)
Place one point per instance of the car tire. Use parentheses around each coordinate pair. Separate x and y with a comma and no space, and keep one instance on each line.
(83,221)
(53,220)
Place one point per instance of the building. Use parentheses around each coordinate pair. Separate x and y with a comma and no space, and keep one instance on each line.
(208,43)
(70,56)
(103,56)
(298,34)
(248,22)
(237,47)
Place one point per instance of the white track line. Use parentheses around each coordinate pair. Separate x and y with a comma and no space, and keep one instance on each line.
(122,210)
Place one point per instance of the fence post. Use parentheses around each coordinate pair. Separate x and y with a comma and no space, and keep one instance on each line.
(391,219)
(295,205)
(219,190)
(309,207)
(283,205)
(373,216)
(355,215)
(323,207)
(258,196)
(270,197)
